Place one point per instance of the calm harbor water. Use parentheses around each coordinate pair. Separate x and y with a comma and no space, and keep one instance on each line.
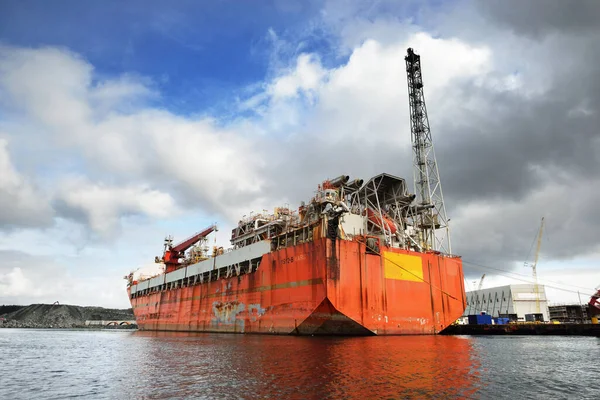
(53,364)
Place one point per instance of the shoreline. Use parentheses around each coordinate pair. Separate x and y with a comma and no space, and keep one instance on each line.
(12,325)
(65,316)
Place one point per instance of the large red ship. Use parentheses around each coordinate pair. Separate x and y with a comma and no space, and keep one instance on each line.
(360,258)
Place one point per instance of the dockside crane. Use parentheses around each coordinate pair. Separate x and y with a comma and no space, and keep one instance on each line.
(172,254)
(536,290)
(481,282)
(432,221)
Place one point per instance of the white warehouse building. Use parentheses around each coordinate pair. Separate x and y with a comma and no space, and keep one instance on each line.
(512,301)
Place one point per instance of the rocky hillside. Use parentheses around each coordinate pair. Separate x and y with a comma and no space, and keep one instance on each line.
(60,316)
(5,309)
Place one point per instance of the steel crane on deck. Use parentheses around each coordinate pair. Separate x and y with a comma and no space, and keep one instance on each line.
(433,222)
(172,254)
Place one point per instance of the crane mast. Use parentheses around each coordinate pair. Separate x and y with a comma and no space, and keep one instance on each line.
(534,269)
(481,282)
(432,221)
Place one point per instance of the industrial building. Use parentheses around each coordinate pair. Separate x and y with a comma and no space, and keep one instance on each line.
(517,302)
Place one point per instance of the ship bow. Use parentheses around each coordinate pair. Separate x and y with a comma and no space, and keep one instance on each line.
(327,320)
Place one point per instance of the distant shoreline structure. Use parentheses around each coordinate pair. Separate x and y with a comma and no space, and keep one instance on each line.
(65,316)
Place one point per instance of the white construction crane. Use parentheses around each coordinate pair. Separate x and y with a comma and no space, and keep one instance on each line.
(481,282)
(536,290)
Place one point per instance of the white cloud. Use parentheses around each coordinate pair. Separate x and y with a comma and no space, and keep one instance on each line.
(306,77)
(21,204)
(195,159)
(102,205)
(107,123)
(14,283)
(365,97)
(26,279)
(49,84)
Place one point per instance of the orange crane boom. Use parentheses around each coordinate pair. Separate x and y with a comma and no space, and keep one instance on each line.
(172,254)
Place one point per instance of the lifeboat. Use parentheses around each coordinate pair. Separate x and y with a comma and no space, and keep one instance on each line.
(375,218)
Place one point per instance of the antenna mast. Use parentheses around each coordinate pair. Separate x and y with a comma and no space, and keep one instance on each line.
(427,183)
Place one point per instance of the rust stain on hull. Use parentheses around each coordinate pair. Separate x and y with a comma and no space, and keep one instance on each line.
(324,287)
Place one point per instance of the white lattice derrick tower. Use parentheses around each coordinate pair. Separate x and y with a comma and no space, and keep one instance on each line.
(431,217)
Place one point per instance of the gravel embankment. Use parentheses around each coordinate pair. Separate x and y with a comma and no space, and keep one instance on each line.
(61,316)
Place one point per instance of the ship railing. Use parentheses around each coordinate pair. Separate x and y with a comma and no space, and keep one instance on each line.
(236,269)
(247,262)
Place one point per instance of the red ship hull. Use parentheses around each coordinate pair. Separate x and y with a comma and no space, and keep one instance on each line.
(325,287)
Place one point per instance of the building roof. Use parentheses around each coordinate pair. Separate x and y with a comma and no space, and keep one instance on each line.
(512,287)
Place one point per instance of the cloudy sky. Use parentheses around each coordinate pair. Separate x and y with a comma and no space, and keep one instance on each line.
(121,123)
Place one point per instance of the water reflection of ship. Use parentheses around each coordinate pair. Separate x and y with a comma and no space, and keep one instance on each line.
(394,367)
(330,367)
